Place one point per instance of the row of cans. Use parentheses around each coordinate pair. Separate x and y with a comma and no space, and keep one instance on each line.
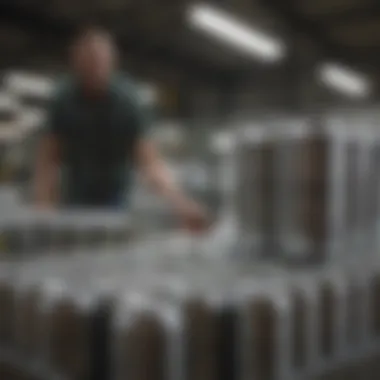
(309,190)
(32,232)
(168,324)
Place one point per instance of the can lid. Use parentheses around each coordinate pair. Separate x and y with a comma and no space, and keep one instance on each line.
(54,287)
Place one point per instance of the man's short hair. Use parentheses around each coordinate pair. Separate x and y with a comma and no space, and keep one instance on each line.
(89,31)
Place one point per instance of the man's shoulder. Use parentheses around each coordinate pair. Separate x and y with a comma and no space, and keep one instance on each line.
(63,89)
(125,88)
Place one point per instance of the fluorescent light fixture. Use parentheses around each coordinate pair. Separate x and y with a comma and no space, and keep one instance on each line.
(7,102)
(230,30)
(344,80)
(31,118)
(29,84)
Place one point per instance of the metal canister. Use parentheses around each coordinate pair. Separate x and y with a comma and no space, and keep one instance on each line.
(7,315)
(200,326)
(334,361)
(314,159)
(352,192)
(148,340)
(8,367)
(304,323)
(53,291)
(255,193)
(268,330)
(371,188)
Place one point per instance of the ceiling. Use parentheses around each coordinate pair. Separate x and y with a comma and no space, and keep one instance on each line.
(154,31)
(146,32)
(345,30)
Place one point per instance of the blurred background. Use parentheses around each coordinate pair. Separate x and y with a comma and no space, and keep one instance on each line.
(202,68)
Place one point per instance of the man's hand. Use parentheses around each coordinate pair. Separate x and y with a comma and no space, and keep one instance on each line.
(46,177)
(194,218)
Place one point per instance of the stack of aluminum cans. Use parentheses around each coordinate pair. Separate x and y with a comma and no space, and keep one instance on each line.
(180,317)
(308,190)
(25,233)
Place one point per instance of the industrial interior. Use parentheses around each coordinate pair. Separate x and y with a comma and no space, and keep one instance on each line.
(267,113)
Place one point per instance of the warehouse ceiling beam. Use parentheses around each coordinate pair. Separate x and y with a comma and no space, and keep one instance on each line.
(312,29)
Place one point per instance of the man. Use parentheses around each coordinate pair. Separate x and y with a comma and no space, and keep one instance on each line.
(96,136)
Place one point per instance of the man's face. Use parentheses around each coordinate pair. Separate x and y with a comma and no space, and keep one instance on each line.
(93,59)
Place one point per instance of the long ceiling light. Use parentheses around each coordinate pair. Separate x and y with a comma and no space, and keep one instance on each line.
(7,102)
(344,80)
(221,25)
(29,84)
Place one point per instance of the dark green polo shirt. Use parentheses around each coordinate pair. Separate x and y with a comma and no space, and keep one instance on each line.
(97,138)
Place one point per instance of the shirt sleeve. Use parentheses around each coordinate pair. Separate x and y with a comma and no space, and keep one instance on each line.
(140,116)
(142,121)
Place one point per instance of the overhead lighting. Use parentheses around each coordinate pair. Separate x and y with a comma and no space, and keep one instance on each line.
(344,80)
(31,118)
(8,102)
(224,27)
(29,84)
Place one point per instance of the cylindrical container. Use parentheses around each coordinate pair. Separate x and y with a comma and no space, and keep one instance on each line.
(70,337)
(311,207)
(53,291)
(352,191)
(374,321)
(268,330)
(256,191)
(366,186)
(28,300)
(376,185)
(24,329)
(200,324)
(304,324)
(8,366)
(371,190)
(335,360)
(7,314)
(357,347)
(148,340)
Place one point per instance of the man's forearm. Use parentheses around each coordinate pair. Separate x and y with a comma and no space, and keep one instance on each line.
(46,185)
(158,175)
(164,184)
(46,172)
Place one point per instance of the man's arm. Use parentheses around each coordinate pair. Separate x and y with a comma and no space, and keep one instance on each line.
(46,174)
(156,172)
(159,177)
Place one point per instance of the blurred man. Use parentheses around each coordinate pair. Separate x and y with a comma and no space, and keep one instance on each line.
(96,136)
